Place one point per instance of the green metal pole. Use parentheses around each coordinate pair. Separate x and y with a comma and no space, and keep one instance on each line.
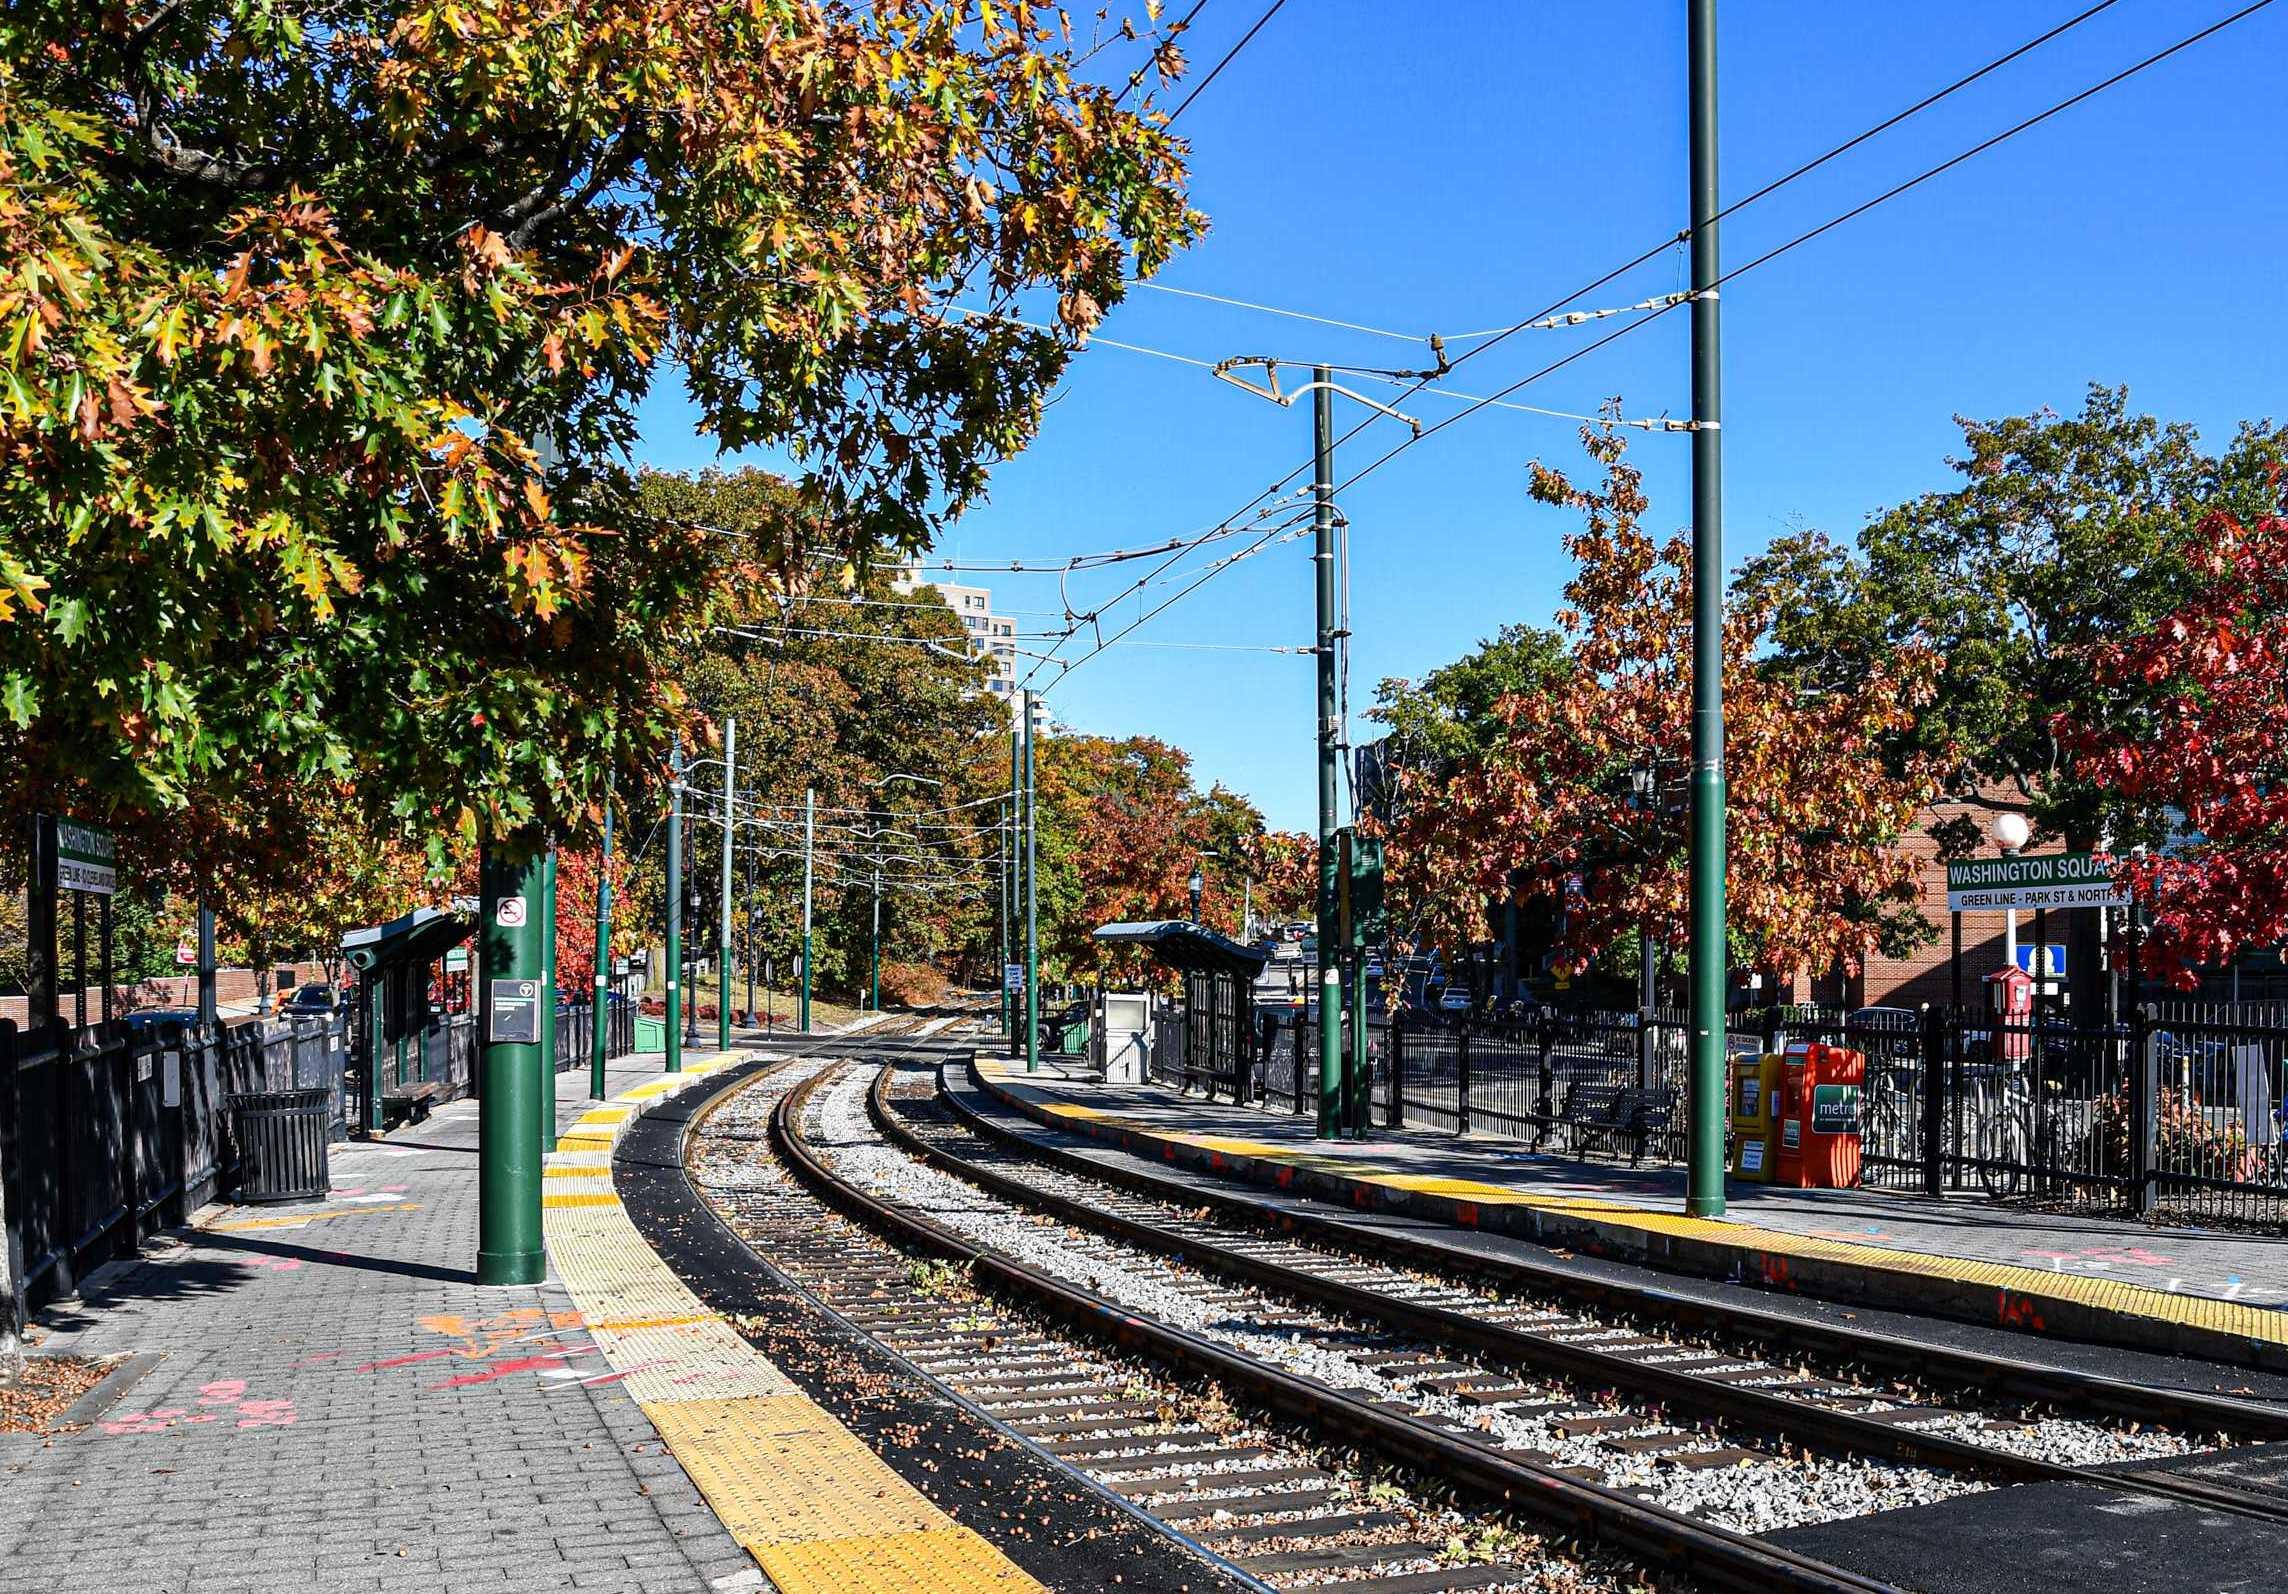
(1355,1073)
(874,961)
(809,835)
(1032,903)
(1008,840)
(600,1016)
(1323,565)
(675,910)
(1015,1004)
(548,1001)
(723,924)
(508,977)
(1705,1181)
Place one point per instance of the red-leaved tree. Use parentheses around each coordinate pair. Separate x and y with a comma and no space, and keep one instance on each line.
(2195,728)
(1815,811)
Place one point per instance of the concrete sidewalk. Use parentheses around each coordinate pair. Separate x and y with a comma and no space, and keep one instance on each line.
(327,1401)
(2110,1280)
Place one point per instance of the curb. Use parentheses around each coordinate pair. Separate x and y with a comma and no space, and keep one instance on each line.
(1992,1294)
(804,1496)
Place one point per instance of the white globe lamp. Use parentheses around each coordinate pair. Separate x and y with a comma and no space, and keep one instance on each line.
(2010,831)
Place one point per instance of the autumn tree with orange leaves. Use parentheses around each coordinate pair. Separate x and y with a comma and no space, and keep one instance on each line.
(1548,810)
(2190,725)
(325,330)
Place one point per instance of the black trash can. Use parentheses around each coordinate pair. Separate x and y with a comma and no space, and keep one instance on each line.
(283,1143)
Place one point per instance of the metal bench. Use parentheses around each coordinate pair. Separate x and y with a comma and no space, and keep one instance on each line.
(1594,1115)
(409,1104)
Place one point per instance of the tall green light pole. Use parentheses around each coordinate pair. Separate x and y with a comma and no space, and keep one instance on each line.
(509,988)
(548,1000)
(723,926)
(1008,829)
(809,837)
(874,958)
(1013,1004)
(1330,733)
(1705,1182)
(675,910)
(600,1015)
(1032,923)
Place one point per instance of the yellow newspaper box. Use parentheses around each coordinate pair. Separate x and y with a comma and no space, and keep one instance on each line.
(1756,1114)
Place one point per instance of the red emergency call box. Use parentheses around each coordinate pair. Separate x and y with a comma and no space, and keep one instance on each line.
(2010,994)
(1819,1117)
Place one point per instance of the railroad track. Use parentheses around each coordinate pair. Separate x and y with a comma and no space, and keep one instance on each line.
(1321,1261)
(1274,1509)
(1316,1539)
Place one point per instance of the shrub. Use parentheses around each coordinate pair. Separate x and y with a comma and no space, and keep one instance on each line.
(912,985)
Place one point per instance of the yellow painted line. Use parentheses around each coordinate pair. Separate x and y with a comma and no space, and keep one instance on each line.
(574,1170)
(629,1325)
(2100,1294)
(242,1224)
(818,1510)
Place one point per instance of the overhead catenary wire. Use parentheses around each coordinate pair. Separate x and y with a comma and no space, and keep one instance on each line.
(1767,189)
(1229,55)
(1829,225)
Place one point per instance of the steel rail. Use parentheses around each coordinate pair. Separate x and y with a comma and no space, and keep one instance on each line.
(1822,1428)
(2033,1382)
(1656,1537)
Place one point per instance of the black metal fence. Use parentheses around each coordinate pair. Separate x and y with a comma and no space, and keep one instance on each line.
(2179,1110)
(108,1134)
(576,1033)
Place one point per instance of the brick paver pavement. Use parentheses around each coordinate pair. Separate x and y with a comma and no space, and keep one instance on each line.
(335,1405)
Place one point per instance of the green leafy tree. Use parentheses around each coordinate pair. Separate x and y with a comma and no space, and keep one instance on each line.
(325,331)
(2066,534)
(1452,714)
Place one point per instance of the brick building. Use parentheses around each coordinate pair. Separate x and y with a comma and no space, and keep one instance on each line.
(1927,974)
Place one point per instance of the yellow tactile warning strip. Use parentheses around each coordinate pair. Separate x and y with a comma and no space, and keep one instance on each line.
(818,1510)
(2036,1284)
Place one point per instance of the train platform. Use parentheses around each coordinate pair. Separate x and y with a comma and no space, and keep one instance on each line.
(2221,1297)
(318,1395)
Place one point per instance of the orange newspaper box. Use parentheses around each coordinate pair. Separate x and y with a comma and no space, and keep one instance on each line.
(1787,1156)
(1819,1126)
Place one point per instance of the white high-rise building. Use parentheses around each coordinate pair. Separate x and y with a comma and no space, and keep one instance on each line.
(992,637)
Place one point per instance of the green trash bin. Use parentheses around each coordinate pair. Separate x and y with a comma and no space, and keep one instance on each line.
(651,1033)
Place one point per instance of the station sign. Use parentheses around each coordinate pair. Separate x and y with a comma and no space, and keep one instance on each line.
(85,858)
(1012,977)
(2047,880)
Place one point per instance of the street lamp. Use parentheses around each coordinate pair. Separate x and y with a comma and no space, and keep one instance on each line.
(2010,833)
(1198,885)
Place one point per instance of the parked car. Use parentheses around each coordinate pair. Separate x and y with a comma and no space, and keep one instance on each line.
(143,1021)
(314,1000)
(1454,999)
(1886,1034)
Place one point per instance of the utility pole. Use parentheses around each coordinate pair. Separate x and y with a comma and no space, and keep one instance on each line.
(754,944)
(1013,1006)
(675,909)
(1323,565)
(206,968)
(809,835)
(510,990)
(723,928)
(548,1000)
(600,1016)
(874,961)
(1705,1183)
(1008,829)
(1032,931)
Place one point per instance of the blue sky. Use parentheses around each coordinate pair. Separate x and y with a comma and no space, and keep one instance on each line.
(1463,168)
